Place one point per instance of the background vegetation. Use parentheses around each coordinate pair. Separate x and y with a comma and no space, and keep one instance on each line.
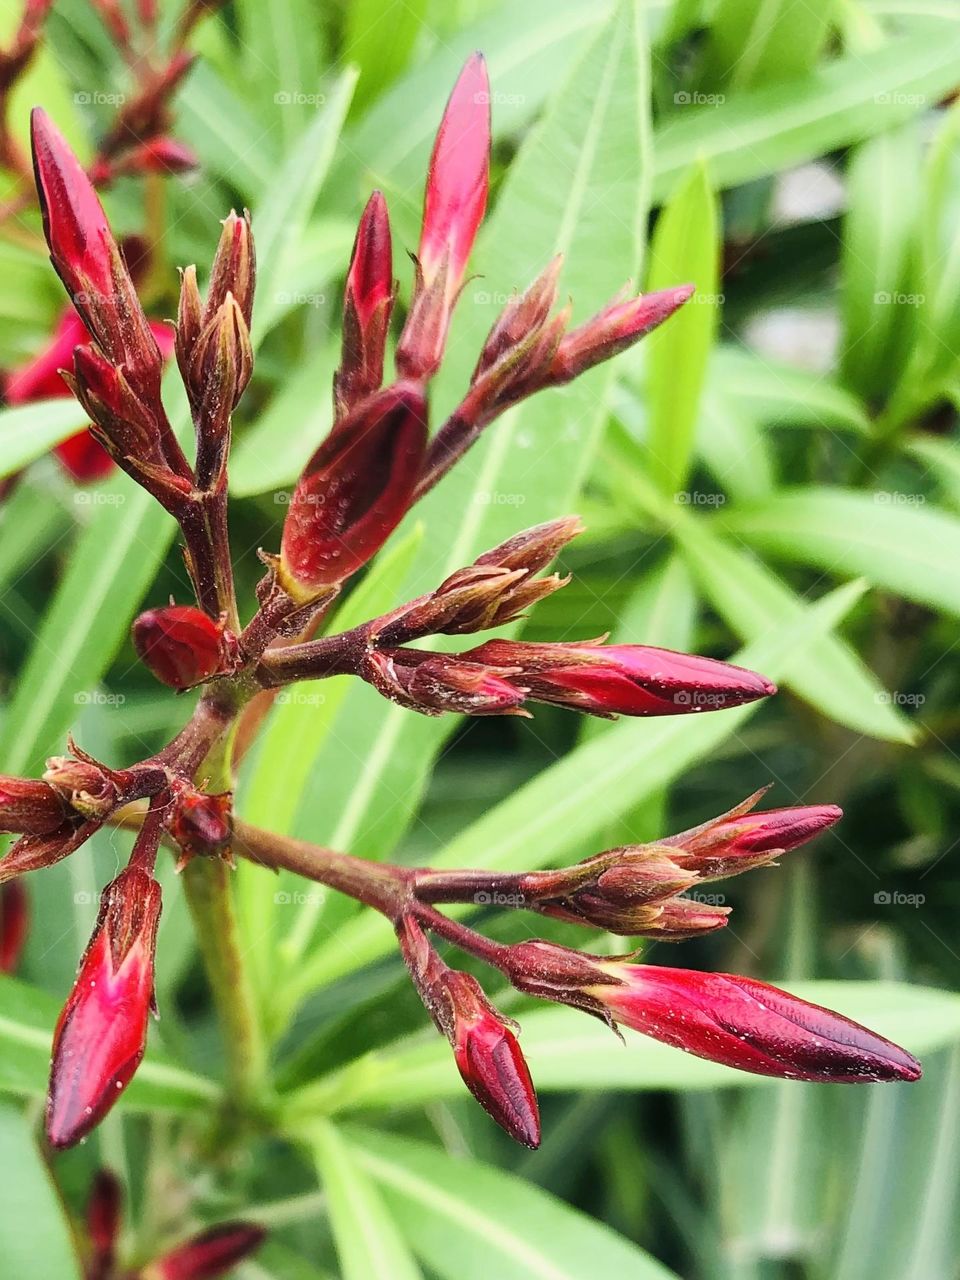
(774,475)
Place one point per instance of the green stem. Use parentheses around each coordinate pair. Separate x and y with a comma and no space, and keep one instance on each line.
(210,898)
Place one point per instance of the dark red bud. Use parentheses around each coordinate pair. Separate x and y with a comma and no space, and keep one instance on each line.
(750,1025)
(201,824)
(29,807)
(104,1210)
(181,645)
(618,326)
(214,1252)
(367,304)
(354,491)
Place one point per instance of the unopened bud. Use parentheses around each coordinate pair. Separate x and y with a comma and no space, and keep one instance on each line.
(182,646)
(367,304)
(29,807)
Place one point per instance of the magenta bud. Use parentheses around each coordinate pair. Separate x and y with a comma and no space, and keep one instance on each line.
(633,680)
(101,1036)
(453,208)
(749,1025)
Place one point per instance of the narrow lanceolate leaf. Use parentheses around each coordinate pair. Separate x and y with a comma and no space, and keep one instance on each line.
(281,220)
(881,299)
(27,1019)
(469,1221)
(369,1245)
(559,812)
(28,431)
(686,246)
(750,45)
(769,129)
(534,459)
(829,675)
(894,539)
(35,1239)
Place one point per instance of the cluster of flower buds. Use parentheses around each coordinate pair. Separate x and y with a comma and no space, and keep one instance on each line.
(375,462)
(211,1253)
(637,891)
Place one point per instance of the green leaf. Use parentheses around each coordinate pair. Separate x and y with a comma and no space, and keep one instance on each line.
(111,566)
(828,673)
(555,814)
(273,451)
(380,43)
(281,48)
(35,1240)
(470,1221)
(567,1050)
(368,1244)
(892,538)
(782,396)
(685,246)
(226,134)
(880,308)
(282,219)
(850,98)
(942,457)
(753,44)
(27,1019)
(29,430)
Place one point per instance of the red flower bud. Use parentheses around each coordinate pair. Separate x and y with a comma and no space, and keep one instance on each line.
(201,824)
(30,807)
(454,205)
(740,839)
(633,680)
(367,303)
(86,257)
(214,1252)
(14,924)
(486,1050)
(101,1036)
(750,1025)
(354,491)
(618,326)
(181,645)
